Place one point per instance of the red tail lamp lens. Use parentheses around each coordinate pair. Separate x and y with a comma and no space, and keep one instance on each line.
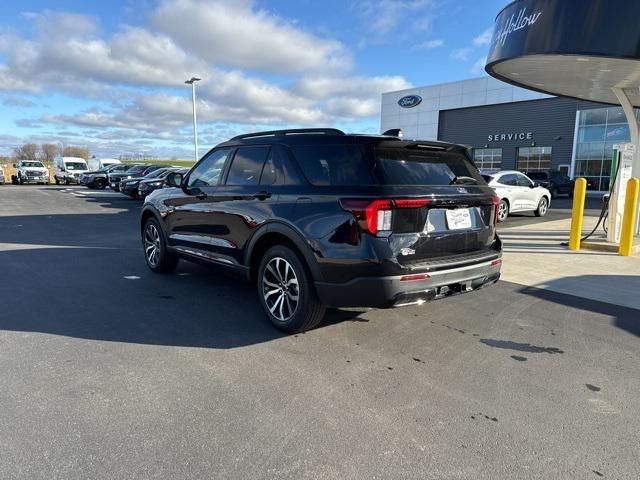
(414,278)
(377,215)
(496,208)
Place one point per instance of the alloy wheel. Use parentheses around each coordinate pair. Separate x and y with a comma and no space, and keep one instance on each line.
(152,244)
(503,211)
(543,206)
(280,289)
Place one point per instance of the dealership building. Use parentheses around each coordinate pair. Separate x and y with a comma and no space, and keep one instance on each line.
(512,128)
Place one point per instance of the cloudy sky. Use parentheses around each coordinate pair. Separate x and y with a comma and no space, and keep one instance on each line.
(110,75)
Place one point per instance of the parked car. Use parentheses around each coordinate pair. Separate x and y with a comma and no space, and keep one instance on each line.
(101,163)
(99,179)
(319,218)
(558,183)
(518,193)
(2,179)
(68,169)
(130,186)
(31,171)
(134,171)
(146,187)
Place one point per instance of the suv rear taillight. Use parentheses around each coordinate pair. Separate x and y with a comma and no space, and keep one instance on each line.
(376,216)
(496,208)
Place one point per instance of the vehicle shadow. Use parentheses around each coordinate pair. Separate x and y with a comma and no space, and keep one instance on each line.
(84,276)
(625,318)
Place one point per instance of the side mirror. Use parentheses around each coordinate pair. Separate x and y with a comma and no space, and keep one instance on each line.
(534,184)
(174,179)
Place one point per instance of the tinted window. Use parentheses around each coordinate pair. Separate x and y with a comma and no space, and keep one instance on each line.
(509,179)
(537,175)
(415,167)
(207,172)
(269,171)
(487,178)
(523,181)
(333,164)
(247,166)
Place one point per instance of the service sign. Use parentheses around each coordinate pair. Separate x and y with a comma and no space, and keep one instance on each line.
(410,101)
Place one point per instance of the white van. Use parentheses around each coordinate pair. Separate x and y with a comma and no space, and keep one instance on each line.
(68,169)
(99,163)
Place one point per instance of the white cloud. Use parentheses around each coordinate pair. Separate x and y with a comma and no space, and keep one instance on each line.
(384,16)
(431,44)
(478,67)
(462,54)
(484,38)
(238,35)
(137,73)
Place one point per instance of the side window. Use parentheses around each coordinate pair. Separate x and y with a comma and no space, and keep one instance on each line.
(524,181)
(207,172)
(247,165)
(269,175)
(509,180)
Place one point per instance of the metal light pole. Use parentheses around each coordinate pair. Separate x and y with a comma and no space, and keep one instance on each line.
(192,81)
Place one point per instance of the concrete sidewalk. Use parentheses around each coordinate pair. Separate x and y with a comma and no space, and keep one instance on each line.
(534,256)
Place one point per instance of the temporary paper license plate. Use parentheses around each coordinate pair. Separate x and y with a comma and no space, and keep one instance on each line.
(458,219)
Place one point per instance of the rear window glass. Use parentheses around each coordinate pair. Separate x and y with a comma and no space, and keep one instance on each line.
(333,164)
(414,167)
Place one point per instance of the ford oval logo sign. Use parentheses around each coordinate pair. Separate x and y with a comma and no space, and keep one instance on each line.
(410,101)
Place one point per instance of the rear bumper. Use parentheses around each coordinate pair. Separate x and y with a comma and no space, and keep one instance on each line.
(386,292)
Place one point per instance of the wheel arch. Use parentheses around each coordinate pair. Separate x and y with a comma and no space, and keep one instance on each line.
(276,233)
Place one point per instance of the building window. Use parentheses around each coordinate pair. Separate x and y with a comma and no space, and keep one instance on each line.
(488,158)
(533,158)
(598,131)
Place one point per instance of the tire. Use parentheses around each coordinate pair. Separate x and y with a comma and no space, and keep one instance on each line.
(503,211)
(554,192)
(283,276)
(56,180)
(158,258)
(543,207)
(100,184)
(20,180)
(66,181)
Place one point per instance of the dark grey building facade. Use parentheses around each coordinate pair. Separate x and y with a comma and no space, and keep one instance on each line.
(513,129)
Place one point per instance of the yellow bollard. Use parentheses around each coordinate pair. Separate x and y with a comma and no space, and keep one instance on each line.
(577,213)
(629,218)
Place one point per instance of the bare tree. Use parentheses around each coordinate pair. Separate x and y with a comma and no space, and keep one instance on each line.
(28,151)
(70,151)
(49,151)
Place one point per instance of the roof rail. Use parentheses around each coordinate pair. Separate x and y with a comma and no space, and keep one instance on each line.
(294,131)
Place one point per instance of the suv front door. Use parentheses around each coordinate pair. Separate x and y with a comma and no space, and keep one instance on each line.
(188,222)
(243,201)
(527,192)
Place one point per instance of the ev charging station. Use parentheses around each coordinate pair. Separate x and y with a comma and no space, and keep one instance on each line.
(621,170)
(587,50)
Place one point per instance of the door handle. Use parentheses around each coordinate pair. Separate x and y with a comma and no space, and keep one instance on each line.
(263,195)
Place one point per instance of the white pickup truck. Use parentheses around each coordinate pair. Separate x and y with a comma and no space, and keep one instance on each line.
(31,171)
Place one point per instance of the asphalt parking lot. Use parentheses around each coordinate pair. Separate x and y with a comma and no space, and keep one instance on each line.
(110,371)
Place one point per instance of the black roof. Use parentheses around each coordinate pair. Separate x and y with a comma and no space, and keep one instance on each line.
(324,136)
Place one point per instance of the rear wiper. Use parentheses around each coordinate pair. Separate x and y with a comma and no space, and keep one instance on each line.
(463,181)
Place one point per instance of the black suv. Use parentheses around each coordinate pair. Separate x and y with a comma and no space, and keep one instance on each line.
(557,183)
(319,218)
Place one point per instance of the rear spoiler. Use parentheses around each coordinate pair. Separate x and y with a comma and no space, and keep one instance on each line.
(429,145)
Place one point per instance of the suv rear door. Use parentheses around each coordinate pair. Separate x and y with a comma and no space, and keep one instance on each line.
(242,201)
(444,207)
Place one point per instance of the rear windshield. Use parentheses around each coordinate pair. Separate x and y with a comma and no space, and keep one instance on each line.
(334,164)
(415,167)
